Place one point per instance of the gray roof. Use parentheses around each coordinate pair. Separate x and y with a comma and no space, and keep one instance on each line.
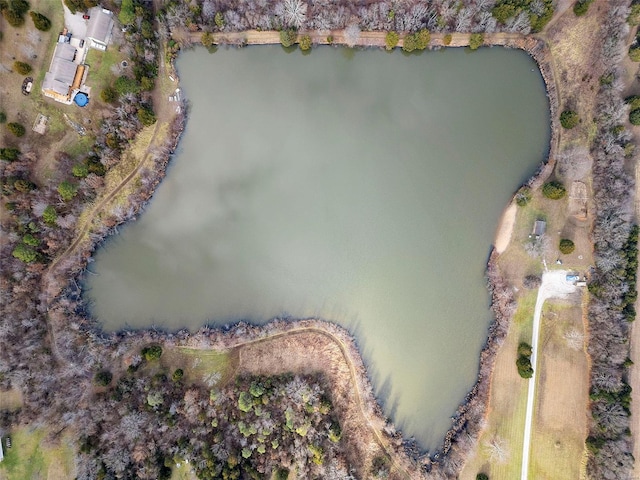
(64,51)
(540,227)
(100,25)
(60,76)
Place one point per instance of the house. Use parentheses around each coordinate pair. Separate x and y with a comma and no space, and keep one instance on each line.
(99,28)
(539,228)
(61,75)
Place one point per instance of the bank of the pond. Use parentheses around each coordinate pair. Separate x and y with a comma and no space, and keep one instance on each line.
(469,416)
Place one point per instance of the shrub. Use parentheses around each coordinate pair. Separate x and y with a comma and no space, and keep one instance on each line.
(532,281)
(146,116)
(475,41)
(634,15)
(3,117)
(391,40)
(127,13)
(67,190)
(177,375)
(25,253)
(305,43)
(9,154)
(16,128)
(634,116)
(447,39)
(409,43)
(13,11)
(30,240)
(524,349)
(245,402)
(288,37)
(152,352)
(634,54)
(109,95)
(567,246)
(219,20)
(525,370)
(40,21)
(581,7)
(103,378)
(50,215)
(482,476)
(80,5)
(124,85)
(569,119)
(207,39)
(22,68)
(523,197)
(554,190)
(80,170)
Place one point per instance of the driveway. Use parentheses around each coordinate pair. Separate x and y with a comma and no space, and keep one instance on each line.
(554,285)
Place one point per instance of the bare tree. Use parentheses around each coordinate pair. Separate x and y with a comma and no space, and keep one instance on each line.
(352,34)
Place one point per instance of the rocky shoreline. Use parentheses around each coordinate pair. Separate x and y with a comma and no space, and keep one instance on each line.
(469,415)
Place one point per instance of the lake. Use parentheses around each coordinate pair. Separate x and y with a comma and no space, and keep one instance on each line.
(361,187)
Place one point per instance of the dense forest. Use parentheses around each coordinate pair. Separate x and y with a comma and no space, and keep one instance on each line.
(613,287)
(485,16)
(139,423)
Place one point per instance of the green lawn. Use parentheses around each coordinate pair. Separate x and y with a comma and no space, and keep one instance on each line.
(100,73)
(31,457)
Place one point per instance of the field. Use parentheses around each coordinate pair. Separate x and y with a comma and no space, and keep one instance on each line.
(499,452)
(560,417)
(33,457)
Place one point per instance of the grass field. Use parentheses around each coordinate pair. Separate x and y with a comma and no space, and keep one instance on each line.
(32,457)
(560,421)
(202,366)
(507,406)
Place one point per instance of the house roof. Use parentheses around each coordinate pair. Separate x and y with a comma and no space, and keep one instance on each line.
(65,51)
(62,71)
(100,25)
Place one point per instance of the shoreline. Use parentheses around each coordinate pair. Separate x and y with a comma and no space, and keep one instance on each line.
(470,413)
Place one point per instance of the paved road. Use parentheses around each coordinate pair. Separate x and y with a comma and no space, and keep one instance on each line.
(554,285)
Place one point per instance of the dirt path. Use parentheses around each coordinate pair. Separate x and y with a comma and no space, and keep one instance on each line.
(366,39)
(554,285)
(363,411)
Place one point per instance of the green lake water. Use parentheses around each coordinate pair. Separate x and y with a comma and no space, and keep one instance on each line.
(361,187)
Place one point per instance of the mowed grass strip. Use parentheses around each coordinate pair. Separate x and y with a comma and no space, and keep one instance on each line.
(201,366)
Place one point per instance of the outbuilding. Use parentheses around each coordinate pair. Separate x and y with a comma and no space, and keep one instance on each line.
(99,28)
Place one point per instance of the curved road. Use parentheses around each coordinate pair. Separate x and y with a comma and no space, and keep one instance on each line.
(554,285)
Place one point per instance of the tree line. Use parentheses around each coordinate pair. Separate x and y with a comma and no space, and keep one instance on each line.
(613,284)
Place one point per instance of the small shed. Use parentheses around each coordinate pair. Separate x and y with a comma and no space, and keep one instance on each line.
(539,228)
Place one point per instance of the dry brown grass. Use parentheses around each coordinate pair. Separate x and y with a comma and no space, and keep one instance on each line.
(507,404)
(10,399)
(560,425)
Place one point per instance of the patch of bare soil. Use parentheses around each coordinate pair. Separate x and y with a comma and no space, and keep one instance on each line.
(578,199)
